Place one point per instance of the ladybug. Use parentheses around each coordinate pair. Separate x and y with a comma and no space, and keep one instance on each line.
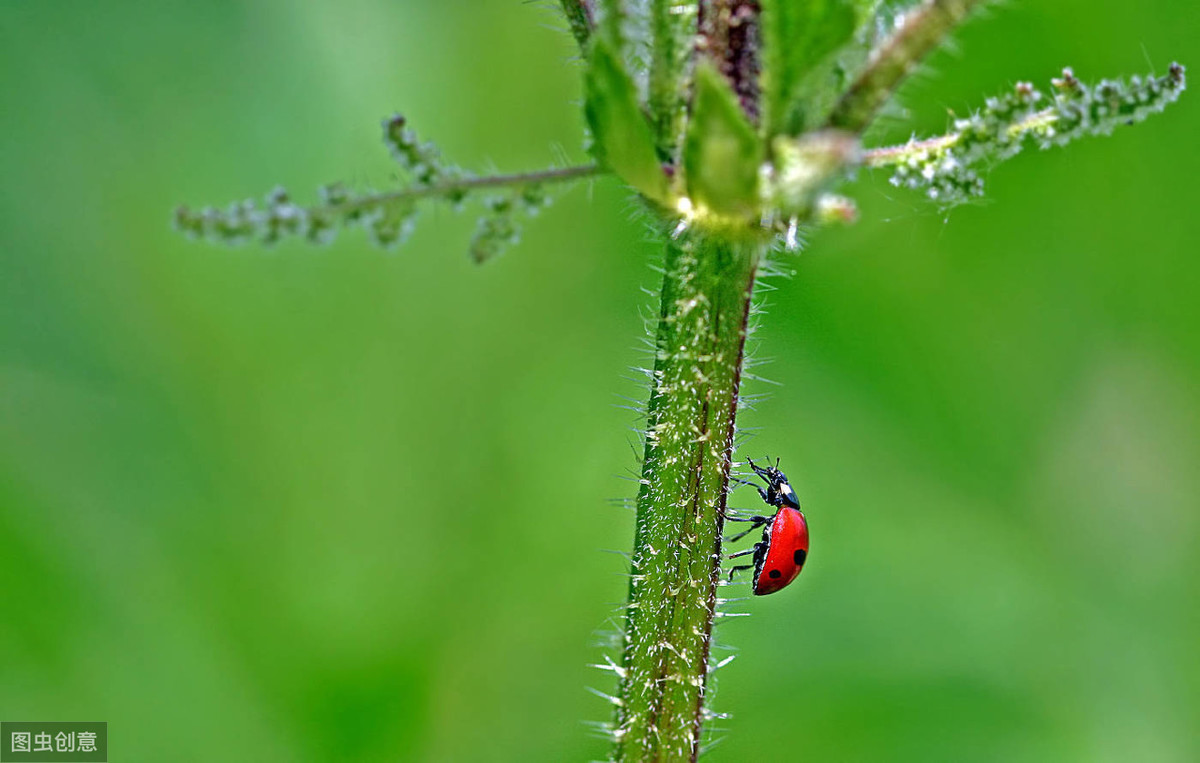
(781,554)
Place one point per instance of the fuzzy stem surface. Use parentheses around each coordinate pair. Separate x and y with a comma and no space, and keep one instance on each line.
(578,14)
(673,27)
(553,175)
(917,35)
(676,565)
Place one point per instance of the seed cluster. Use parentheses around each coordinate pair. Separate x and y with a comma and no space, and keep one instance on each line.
(945,167)
(388,217)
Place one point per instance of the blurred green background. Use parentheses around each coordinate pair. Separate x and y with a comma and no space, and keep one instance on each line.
(338,504)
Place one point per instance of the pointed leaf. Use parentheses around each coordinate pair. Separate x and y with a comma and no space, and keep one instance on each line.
(722,152)
(798,36)
(623,140)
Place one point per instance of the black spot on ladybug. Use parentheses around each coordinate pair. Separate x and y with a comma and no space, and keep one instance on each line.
(798,556)
(775,574)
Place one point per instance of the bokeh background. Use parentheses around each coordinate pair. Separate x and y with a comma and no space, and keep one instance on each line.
(338,504)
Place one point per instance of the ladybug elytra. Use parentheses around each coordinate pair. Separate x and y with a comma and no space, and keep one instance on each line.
(780,555)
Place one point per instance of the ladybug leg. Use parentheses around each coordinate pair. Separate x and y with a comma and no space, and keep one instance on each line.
(761,490)
(757,519)
(733,516)
(755,523)
(739,536)
(739,568)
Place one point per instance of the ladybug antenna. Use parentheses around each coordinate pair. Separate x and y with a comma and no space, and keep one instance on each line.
(764,474)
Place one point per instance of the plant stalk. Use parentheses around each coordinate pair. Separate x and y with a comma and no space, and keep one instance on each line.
(578,14)
(676,565)
(920,31)
(462,185)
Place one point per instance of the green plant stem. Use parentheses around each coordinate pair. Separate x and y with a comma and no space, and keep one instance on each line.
(888,155)
(729,31)
(579,19)
(448,187)
(676,564)
(673,27)
(920,31)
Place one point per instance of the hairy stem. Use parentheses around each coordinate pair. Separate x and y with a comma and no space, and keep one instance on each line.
(729,36)
(918,33)
(673,26)
(676,564)
(447,187)
(944,166)
(579,18)
(884,156)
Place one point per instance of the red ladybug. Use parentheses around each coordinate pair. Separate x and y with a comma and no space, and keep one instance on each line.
(781,554)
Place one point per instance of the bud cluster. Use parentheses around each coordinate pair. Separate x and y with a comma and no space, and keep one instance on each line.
(944,167)
(388,217)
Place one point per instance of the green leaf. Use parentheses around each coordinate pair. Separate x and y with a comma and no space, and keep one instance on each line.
(722,152)
(798,36)
(624,141)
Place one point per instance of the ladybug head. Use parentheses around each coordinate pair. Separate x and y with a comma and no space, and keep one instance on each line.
(779,491)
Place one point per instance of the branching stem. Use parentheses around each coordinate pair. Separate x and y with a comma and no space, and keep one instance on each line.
(461,185)
(886,156)
(917,35)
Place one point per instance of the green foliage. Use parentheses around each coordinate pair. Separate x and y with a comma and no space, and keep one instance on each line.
(628,28)
(243,476)
(388,217)
(917,33)
(797,37)
(803,168)
(500,228)
(722,153)
(658,74)
(945,168)
(621,138)
(674,26)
